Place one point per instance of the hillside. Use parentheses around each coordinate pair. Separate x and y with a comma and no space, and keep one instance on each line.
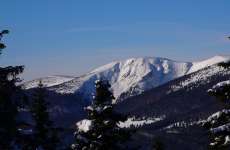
(127,78)
(183,102)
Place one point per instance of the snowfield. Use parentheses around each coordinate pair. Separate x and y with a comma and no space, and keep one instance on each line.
(205,63)
(129,77)
(47,81)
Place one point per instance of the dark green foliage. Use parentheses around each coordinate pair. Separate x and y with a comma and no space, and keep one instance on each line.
(54,139)
(103,94)
(2,45)
(40,114)
(8,101)
(225,64)
(222,94)
(157,144)
(5,32)
(104,132)
(45,135)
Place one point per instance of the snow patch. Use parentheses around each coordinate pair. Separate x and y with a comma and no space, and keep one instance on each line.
(208,62)
(219,86)
(227,140)
(199,78)
(134,122)
(84,125)
(225,127)
(47,81)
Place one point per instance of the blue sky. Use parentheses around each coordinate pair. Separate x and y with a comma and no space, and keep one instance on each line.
(71,37)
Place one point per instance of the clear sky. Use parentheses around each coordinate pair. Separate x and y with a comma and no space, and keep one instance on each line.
(71,37)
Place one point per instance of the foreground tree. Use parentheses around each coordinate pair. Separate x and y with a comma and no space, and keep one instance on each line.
(100,131)
(8,102)
(45,135)
(219,123)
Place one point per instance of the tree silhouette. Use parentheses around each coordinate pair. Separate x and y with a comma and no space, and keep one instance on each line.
(45,135)
(100,131)
(8,101)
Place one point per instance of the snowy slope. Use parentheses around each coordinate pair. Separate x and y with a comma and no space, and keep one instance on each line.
(208,62)
(47,81)
(128,78)
(185,103)
(199,78)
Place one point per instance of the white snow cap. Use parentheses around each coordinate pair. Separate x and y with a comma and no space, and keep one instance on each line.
(208,62)
(84,125)
(128,77)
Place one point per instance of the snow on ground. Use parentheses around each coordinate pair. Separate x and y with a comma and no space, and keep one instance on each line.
(202,77)
(219,85)
(212,120)
(225,127)
(227,140)
(47,81)
(208,62)
(224,83)
(217,115)
(183,124)
(84,125)
(134,122)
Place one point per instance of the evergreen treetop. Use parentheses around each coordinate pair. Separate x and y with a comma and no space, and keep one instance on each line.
(8,100)
(100,131)
(46,136)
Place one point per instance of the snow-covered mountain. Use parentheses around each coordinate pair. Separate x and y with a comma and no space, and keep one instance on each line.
(128,77)
(184,103)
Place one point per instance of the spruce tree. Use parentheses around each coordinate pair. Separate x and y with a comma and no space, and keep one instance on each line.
(45,135)
(100,131)
(8,101)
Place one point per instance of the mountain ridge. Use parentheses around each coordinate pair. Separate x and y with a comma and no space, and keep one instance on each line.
(128,77)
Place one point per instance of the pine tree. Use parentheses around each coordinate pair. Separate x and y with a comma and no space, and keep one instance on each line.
(100,131)
(219,123)
(8,102)
(45,135)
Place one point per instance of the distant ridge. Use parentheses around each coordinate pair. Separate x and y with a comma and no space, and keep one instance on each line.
(127,77)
